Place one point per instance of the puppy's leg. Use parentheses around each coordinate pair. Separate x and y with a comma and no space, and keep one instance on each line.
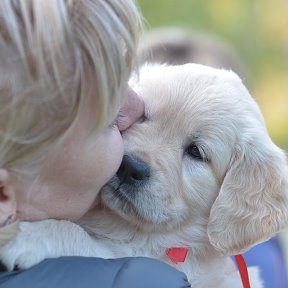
(49,239)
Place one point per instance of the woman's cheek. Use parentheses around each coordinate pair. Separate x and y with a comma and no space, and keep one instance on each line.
(117,150)
(113,154)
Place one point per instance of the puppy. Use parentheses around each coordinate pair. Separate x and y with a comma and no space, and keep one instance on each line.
(199,172)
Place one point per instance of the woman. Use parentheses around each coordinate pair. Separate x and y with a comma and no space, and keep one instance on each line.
(64,71)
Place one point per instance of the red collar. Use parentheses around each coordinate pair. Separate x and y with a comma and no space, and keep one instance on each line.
(242,267)
(178,254)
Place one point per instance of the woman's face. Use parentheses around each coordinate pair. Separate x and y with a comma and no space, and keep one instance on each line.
(70,180)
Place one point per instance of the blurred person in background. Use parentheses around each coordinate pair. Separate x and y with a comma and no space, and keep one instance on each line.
(176,46)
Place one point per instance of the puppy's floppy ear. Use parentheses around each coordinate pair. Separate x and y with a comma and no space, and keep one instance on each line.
(252,203)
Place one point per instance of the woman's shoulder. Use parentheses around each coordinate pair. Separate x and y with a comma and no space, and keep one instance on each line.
(106,273)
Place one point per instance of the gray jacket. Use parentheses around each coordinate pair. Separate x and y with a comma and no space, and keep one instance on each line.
(74,272)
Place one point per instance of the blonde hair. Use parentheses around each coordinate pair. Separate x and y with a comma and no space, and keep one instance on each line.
(56,57)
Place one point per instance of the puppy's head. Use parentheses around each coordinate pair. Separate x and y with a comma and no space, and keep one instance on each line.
(202,158)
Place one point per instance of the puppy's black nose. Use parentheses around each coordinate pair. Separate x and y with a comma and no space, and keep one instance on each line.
(132,170)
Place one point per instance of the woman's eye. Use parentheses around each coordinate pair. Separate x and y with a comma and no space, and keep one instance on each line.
(194,152)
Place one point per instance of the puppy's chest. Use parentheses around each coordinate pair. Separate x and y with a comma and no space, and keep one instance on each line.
(209,275)
(160,253)
(135,250)
(196,275)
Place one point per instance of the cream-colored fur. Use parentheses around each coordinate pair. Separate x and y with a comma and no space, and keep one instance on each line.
(217,206)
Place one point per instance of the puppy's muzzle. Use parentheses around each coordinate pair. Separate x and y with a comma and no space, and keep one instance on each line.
(133,171)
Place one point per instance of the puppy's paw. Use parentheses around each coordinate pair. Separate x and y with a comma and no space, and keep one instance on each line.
(35,242)
(23,251)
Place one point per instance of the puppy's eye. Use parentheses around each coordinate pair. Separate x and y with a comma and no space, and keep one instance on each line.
(193,151)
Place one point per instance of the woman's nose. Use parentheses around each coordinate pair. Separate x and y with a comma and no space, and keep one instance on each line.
(131,111)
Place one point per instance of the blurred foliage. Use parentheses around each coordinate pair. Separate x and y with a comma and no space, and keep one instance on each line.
(257,29)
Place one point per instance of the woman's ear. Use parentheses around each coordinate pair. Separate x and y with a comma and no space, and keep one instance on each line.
(7,198)
(8,224)
(252,204)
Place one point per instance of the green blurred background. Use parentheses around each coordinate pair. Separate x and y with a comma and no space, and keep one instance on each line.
(257,29)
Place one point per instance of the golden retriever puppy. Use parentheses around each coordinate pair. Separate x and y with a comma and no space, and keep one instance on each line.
(199,172)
